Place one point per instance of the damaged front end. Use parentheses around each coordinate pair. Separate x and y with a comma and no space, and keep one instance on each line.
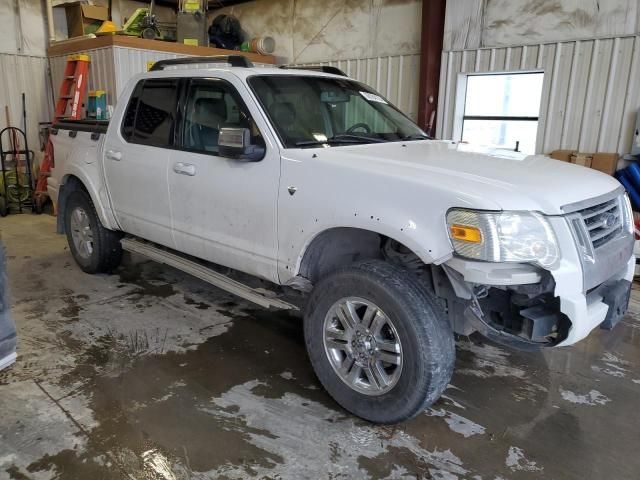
(524,316)
(531,280)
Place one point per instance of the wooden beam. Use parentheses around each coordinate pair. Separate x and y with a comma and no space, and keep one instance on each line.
(430,55)
(83,44)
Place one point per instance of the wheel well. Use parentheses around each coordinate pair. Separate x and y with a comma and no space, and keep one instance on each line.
(340,246)
(70,184)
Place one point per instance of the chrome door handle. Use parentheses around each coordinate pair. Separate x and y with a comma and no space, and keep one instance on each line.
(114,155)
(184,169)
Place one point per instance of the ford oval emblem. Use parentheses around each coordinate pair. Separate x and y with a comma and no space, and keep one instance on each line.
(609,220)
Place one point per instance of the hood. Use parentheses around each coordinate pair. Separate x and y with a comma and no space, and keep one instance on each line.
(502,179)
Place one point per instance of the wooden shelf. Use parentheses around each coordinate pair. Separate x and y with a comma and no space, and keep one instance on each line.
(83,44)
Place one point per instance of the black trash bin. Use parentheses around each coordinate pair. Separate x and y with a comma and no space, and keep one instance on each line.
(7,327)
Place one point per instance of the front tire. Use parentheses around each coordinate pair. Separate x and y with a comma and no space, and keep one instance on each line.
(378,341)
(94,248)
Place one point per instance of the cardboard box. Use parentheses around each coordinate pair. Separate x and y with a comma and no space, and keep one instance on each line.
(563,155)
(83,19)
(583,159)
(605,162)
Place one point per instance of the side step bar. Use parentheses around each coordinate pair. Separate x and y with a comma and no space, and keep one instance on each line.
(219,280)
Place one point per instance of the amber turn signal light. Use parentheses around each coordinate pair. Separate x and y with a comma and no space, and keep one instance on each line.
(466,233)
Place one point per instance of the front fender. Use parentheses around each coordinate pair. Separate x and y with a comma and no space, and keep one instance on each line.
(428,243)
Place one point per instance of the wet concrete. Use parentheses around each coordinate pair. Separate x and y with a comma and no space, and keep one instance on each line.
(151,374)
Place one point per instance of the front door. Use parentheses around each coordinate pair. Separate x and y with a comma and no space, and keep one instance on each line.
(224,210)
(136,160)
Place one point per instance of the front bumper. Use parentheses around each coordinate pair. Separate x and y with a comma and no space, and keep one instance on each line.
(582,290)
(526,306)
(597,307)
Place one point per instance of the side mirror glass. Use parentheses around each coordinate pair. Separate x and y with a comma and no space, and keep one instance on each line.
(236,143)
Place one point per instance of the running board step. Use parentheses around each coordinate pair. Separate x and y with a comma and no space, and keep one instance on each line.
(219,280)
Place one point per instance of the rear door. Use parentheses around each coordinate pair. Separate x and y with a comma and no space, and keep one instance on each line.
(136,159)
(224,210)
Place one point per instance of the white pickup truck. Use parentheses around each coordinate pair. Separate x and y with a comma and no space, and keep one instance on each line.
(313,181)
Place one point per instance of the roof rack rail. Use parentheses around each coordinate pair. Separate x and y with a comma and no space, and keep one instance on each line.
(319,68)
(233,60)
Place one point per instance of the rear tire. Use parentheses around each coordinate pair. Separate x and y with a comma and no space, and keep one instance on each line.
(404,349)
(94,248)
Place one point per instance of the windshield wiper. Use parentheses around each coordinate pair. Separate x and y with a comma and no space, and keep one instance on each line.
(417,136)
(354,138)
(343,139)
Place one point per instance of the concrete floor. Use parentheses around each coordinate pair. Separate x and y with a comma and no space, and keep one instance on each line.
(150,374)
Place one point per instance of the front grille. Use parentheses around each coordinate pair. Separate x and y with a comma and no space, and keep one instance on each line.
(603,222)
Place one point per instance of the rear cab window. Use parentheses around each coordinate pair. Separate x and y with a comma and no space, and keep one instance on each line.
(151,116)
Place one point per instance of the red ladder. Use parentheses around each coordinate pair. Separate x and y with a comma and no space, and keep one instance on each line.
(73,88)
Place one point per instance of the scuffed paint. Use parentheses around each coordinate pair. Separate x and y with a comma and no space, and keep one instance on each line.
(517,461)
(310,451)
(157,465)
(614,366)
(489,361)
(593,397)
(457,423)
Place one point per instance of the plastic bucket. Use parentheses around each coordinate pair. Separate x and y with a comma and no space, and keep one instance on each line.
(264,45)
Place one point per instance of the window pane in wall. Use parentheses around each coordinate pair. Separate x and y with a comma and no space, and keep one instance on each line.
(514,95)
(501,133)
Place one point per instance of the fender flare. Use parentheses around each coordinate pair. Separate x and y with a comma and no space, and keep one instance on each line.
(314,242)
(78,179)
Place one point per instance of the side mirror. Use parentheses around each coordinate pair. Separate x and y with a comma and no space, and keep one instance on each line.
(236,143)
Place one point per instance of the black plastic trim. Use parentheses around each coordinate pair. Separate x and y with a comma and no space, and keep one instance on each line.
(319,68)
(233,60)
(99,126)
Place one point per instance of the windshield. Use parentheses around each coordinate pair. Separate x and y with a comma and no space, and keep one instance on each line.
(316,111)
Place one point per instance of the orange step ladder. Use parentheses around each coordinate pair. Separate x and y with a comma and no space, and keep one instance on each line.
(73,88)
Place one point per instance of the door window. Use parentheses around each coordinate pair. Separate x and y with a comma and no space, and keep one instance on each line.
(155,115)
(213,104)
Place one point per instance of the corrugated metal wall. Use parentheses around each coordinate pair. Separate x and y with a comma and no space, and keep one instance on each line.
(590,95)
(395,77)
(28,74)
(112,67)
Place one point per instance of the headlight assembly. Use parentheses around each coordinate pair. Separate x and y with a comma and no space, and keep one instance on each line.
(524,237)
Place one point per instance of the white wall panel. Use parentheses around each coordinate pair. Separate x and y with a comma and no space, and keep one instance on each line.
(590,94)
(18,74)
(396,77)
